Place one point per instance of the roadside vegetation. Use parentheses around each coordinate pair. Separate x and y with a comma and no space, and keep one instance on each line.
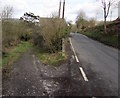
(49,58)
(13,54)
(98,34)
(111,40)
(44,38)
(95,29)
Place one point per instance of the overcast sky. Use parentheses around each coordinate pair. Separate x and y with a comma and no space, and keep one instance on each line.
(44,8)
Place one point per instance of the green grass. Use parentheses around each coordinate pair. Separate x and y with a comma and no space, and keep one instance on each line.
(45,57)
(49,58)
(111,40)
(13,54)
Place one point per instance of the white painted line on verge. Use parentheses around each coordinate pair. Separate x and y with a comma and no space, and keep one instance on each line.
(83,73)
(73,50)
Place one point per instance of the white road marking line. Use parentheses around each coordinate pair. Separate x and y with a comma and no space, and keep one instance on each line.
(94,97)
(76,58)
(73,50)
(83,73)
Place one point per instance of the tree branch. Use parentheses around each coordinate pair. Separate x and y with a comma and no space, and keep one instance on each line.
(108,8)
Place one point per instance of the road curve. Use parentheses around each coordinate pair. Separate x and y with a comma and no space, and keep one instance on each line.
(99,58)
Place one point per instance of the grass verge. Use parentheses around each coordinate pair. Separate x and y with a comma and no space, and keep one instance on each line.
(51,59)
(111,40)
(45,57)
(13,54)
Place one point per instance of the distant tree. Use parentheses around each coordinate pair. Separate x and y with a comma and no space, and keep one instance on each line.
(30,18)
(80,18)
(69,23)
(92,22)
(7,12)
(73,28)
(81,21)
(29,21)
(106,5)
(54,14)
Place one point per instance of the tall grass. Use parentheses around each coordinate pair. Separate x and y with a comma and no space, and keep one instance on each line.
(13,31)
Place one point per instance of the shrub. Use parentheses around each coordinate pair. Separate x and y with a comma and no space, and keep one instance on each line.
(13,31)
(53,30)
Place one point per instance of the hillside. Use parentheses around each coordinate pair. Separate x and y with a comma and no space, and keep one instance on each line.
(111,39)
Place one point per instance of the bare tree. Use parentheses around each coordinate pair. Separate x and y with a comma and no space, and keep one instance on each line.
(106,5)
(81,14)
(81,20)
(54,14)
(7,12)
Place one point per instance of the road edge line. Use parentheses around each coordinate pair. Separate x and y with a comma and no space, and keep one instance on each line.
(77,60)
(83,74)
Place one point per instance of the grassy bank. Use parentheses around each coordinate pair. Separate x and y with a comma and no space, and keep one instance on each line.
(13,54)
(111,40)
(97,33)
(49,58)
(46,57)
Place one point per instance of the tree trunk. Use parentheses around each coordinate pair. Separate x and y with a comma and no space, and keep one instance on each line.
(105,28)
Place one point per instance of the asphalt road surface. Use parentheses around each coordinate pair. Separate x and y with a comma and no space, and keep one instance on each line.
(91,71)
(99,63)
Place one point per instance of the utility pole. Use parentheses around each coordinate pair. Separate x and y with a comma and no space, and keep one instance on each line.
(59,8)
(63,9)
(63,43)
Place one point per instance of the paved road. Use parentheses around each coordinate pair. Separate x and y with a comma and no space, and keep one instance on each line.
(29,77)
(98,61)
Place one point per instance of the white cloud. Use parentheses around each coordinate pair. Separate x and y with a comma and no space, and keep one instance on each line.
(44,8)
(92,9)
(18,6)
